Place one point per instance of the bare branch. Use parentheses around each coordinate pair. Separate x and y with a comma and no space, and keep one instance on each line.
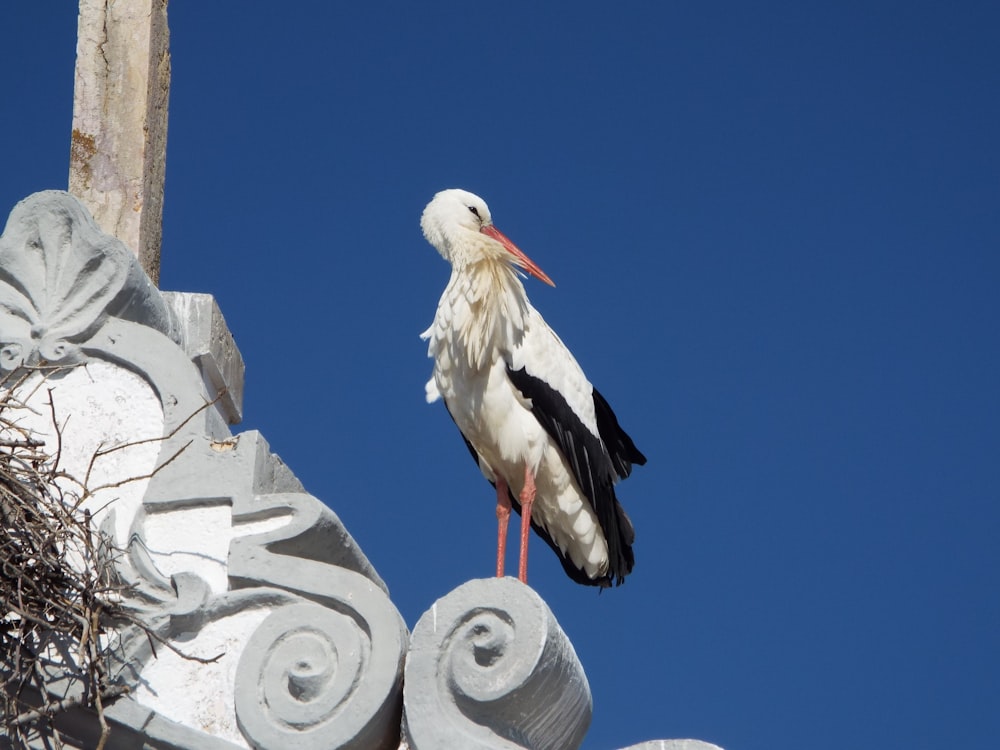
(150,475)
(55,707)
(60,594)
(101,451)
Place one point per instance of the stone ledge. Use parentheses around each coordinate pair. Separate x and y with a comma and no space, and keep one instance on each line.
(209,343)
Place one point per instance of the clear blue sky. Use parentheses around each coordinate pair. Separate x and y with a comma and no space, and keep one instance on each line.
(774,230)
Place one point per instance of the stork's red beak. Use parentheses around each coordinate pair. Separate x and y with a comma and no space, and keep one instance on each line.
(522,260)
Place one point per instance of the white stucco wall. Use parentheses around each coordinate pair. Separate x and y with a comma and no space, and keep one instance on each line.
(98,407)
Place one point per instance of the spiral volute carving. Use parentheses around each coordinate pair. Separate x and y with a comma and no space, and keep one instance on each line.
(297,679)
(489,667)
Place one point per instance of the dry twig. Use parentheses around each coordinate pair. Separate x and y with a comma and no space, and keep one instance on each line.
(60,598)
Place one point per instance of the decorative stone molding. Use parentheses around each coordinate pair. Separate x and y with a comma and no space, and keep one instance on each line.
(673,745)
(209,344)
(60,280)
(228,558)
(489,667)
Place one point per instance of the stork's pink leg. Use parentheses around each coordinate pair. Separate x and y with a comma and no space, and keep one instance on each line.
(503,516)
(527,500)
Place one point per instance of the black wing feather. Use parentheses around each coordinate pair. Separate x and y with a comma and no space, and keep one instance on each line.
(595,462)
(619,444)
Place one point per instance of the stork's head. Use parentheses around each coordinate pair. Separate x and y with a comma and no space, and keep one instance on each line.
(459,225)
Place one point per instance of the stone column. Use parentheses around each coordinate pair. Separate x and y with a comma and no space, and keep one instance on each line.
(118,150)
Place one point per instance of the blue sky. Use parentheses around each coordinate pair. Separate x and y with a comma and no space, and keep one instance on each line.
(774,233)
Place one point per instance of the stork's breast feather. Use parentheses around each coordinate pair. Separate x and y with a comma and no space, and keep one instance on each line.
(431,392)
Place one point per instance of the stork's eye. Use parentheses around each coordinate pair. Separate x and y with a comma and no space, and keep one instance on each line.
(475,211)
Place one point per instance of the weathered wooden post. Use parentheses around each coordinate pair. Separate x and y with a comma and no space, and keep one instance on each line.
(118,152)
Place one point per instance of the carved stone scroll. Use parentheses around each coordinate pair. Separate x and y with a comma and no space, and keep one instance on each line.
(673,745)
(263,623)
(489,667)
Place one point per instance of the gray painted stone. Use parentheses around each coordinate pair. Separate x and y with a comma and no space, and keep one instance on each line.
(673,745)
(210,345)
(46,316)
(489,667)
(323,667)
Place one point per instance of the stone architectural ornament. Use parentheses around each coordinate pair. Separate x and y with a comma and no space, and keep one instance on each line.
(270,628)
(489,667)
(61,279)
(255,619)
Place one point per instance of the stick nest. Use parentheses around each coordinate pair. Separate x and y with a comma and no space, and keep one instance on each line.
(59,597)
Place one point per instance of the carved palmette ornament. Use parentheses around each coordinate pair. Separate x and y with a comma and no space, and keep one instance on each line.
(60,278)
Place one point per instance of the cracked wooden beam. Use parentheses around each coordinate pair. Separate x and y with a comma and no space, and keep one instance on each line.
(119,143)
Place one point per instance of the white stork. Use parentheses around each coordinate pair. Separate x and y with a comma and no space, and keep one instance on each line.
(539,431)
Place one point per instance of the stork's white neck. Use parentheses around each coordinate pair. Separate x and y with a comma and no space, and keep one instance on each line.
(484,310)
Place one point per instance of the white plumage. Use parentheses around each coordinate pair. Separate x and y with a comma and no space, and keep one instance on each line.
(528,414)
